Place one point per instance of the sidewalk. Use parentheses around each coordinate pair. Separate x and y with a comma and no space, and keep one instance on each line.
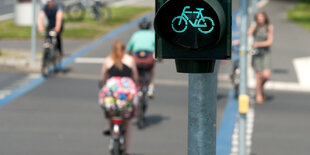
(281,125)
(290,41)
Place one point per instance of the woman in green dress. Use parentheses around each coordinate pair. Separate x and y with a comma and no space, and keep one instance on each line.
(262,32)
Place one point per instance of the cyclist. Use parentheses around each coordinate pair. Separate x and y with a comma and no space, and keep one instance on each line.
(142,45)
(117,68)
(54,14)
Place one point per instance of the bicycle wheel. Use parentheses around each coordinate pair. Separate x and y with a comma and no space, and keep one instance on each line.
(179,24)
(57,61)
(45,63)
(209,25)
(116,150)
(140,114)
(102,14)
(76,12)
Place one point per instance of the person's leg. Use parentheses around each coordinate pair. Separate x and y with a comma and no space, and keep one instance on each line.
(265,77)
(259,93)
(151,84)
(151,62)
(59,44)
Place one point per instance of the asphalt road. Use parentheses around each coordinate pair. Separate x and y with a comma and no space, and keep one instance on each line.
(281,124)
(62,116)
(6,6)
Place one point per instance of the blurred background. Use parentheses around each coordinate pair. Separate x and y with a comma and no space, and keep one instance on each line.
(60,114)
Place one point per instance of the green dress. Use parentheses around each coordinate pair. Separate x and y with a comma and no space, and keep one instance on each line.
(262,60)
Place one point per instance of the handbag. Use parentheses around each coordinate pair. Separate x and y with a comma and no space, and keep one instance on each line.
(254,51)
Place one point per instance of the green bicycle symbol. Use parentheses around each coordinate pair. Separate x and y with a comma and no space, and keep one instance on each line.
(179,23)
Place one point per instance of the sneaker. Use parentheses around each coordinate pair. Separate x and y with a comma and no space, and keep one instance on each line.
(150,93)
(106,132)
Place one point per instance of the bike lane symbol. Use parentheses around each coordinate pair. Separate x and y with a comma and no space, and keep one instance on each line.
(180,23)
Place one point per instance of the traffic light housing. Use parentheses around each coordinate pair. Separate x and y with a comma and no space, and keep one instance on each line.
(194,32)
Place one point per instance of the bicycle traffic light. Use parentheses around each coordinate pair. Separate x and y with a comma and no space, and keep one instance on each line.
(194,32)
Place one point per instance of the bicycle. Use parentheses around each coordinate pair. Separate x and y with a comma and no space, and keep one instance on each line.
(51,57)
(180,23)
(119,109)
(98,10)
(143,98)
(117,135)
(235,79)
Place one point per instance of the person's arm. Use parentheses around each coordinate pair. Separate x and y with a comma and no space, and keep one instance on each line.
(269,40)
(40,21)
(59,16)
(135,75)
(104,72)
(129,46)
(251,30)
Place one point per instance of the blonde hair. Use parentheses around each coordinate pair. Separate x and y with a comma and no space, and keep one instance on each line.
(118,54)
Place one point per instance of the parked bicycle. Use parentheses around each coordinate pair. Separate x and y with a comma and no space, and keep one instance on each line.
(143,98)
(235,80)
(97,9)
(204,24)
(51,57)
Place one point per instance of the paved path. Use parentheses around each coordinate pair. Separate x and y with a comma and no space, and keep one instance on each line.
(62,116)
(281,126)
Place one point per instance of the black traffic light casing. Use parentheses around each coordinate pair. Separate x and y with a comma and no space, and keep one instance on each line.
(194,32)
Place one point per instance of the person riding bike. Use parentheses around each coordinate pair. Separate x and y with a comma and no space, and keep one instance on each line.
(142,45)
(54,14)
(119,77)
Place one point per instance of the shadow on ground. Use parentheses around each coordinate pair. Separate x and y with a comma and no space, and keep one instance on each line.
(154,119)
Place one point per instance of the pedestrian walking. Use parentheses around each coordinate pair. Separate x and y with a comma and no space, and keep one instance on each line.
(262,32)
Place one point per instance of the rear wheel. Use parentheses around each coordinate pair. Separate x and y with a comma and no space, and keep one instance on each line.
(102,14)
(140,115)
(76,12)
(116,148)
(57,62)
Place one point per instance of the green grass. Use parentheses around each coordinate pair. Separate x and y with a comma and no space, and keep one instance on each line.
(87,28)
(301,14)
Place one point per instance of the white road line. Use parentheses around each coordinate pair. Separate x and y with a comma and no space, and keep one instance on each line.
(6,16)
(302,66)
(262,3)
(8,90)
(127,2)
(249,133)
(88,60)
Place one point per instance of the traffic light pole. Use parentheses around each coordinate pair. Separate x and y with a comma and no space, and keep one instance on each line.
(244,97)
(202,113)
(34,31)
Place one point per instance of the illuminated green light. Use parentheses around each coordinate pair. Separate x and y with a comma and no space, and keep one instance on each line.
(179,24)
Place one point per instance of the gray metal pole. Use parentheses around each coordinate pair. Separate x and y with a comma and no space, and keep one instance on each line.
(243,98)
(34,31)
(202,113)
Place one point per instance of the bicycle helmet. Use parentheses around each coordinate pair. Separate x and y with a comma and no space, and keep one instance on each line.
(145,24)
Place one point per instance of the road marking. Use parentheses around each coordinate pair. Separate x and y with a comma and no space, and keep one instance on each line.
(88,60)
(6,16)
(227,126)
(249,133)
(132,2)
(158,81)
(262,3)
(37,80)
(18,84)
(302,66)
